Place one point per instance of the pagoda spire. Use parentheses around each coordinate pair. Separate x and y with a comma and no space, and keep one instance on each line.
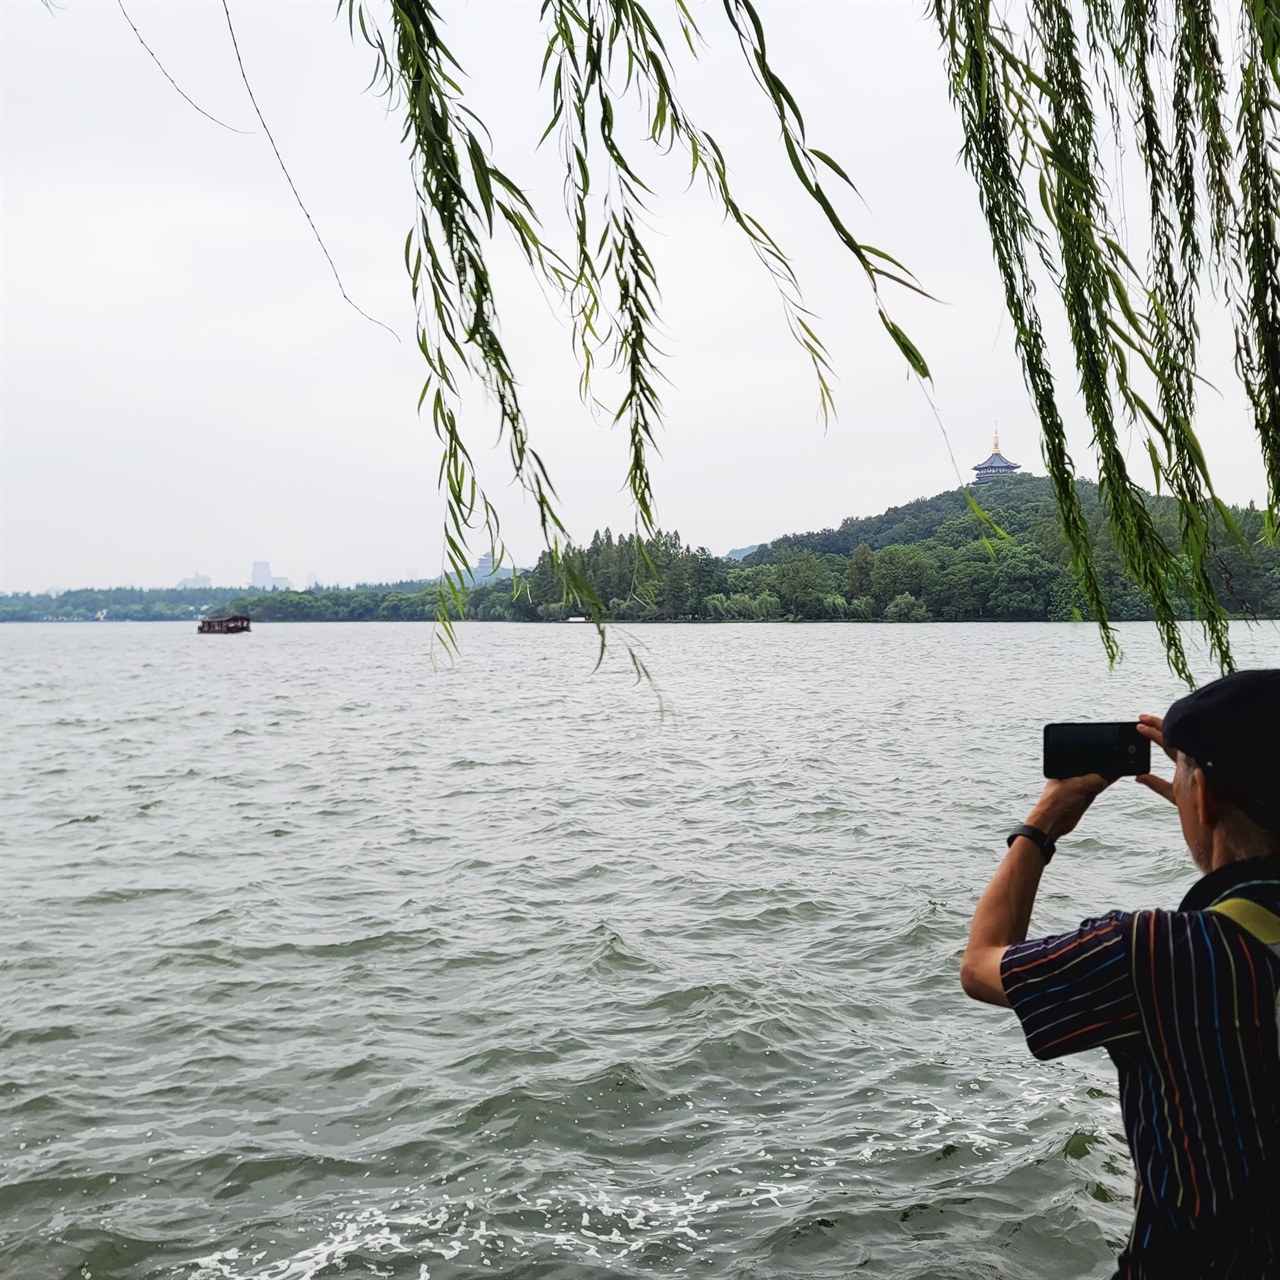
(997,464)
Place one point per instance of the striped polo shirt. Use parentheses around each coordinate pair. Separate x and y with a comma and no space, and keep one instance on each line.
(1185,1002)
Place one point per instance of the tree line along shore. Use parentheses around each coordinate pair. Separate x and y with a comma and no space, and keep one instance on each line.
(930,560)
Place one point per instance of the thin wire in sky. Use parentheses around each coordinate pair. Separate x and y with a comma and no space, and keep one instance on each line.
(283,169)
(170,79)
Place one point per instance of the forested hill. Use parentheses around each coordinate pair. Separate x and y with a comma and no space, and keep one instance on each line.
(929,559)
(932,559)
(1018,504)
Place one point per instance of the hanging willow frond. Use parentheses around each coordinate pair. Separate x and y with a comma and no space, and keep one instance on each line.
(1025,80)
(603,58)
(1026,102)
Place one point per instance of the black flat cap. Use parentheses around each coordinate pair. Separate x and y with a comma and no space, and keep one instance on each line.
(1232,729)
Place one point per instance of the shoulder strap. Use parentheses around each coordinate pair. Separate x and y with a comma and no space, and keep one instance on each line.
(1265,926)
(1253,919)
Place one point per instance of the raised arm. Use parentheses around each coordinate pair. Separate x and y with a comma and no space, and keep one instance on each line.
(1004,910)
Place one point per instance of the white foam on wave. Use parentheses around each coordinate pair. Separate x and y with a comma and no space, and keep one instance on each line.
(600,1222)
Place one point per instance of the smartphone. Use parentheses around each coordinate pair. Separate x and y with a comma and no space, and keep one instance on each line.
(1111,748)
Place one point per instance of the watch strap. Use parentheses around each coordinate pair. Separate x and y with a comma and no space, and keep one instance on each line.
(1036,836)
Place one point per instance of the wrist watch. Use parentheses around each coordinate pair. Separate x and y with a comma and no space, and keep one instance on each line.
(1037,838)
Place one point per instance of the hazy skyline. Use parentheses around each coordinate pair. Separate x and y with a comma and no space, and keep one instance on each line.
(185,391)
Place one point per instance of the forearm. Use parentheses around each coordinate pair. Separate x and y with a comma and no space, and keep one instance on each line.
(1003,913)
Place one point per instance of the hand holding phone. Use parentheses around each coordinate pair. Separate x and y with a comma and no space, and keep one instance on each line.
(1110,748)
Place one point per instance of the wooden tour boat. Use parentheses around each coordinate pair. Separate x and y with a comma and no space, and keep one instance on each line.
(224,626)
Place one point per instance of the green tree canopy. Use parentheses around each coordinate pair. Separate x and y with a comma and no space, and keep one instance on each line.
(903,571)
(857,578)
(1021,584)
(803,581)
(964,590)
(906,608)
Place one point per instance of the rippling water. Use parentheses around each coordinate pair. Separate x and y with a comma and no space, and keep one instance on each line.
(319,961)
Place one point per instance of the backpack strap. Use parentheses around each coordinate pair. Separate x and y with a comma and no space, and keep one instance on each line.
(1263,925)
(1253,919)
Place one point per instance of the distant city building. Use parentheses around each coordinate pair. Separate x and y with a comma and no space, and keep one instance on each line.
(197,582)
(312,581)
(996,465)
(263,580)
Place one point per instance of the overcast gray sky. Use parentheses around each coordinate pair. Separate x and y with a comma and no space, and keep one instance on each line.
(184,390)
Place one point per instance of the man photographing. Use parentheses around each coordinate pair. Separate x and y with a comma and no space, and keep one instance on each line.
(1186,1002)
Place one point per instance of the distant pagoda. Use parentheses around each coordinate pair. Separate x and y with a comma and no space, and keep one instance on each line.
(996,465)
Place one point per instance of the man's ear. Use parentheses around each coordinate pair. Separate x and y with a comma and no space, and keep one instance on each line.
(1208,810)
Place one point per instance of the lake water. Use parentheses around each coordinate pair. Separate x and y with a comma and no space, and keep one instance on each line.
(318,960)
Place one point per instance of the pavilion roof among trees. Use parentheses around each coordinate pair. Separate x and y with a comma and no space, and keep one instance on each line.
(996,465)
